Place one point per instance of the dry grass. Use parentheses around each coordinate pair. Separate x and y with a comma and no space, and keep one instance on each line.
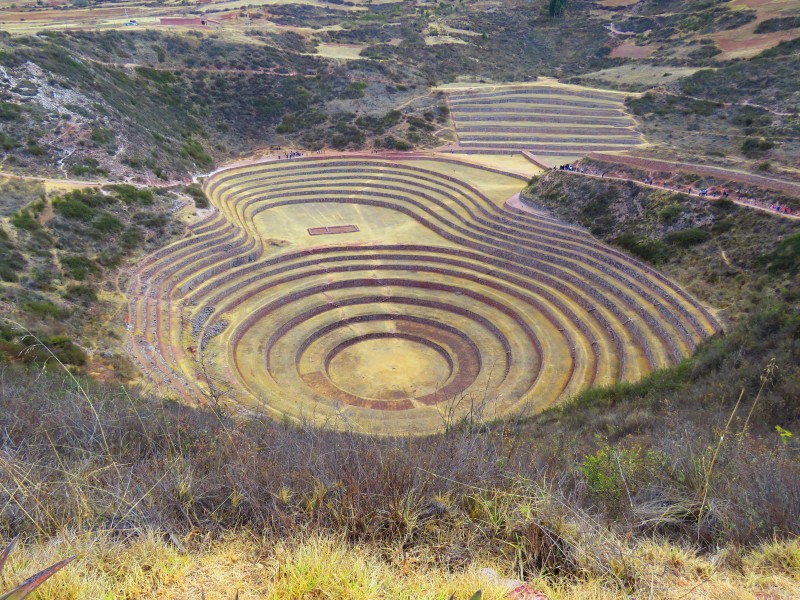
(150,565)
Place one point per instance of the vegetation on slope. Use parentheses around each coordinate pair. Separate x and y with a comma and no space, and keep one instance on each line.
(162,105)
(718,250)
(60,259)
(742,110)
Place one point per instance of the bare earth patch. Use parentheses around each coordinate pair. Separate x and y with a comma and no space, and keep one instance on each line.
(614,3)
(632,51)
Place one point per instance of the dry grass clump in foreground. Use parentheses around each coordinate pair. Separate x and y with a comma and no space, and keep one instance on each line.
(317,566)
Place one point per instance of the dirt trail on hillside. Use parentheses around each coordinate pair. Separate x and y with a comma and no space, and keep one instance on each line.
(652,164)
(745,202)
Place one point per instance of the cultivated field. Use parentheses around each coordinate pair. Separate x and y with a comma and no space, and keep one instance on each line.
(442,305)
(547,118)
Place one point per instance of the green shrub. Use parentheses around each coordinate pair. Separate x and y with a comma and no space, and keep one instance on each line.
(9,111)
(33,147)
(66,351)
(78,267)
(8,142)
(8,274)
(44,308)
(156,75)
(687,237)
(753,147)
(722,226)
(701,107)
(72,208)
(23,219)
(131,239)
(649,249)
(615,475)
(110,258)
(194,150)
(102,136)
(784,258)
(197,193)
(107,223)
(392,143)
(81,293)
(723,204)
(11,260)
(670,213)
(778,24)
(132,195)
(88,166)
(751,116)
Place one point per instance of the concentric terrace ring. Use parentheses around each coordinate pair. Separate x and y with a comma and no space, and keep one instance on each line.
(439,304)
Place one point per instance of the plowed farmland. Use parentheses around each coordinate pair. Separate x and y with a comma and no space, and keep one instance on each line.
(547,119)
(395,294)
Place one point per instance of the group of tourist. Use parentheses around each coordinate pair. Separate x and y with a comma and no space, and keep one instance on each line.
(572,168)
(295,154)
(783,209)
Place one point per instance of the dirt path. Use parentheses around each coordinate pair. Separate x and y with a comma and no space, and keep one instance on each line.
(87,183)
(176,68)
(746,202)
(183,69)
(727,104)
(54,180)
(651,164)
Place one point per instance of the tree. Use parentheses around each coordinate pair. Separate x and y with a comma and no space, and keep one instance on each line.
(557,7)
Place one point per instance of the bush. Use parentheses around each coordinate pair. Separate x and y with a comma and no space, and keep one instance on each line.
(102,136)
(33,147)
(11,260)
(9,111)
(687,237)
(651,250)
(23,219)
(614,475)
(81,293)
(753,147)
(66,351)
(194,150)
(72,208)
(44,308)
(107,223)
(784,258)
(131,239)
(88,166)
(78,267)
(132,195)
(670,213)
(778,24)
(723,204)
(197,193)
(7,142)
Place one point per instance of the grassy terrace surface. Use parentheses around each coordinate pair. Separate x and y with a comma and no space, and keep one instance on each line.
(443,305)
(547,118)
